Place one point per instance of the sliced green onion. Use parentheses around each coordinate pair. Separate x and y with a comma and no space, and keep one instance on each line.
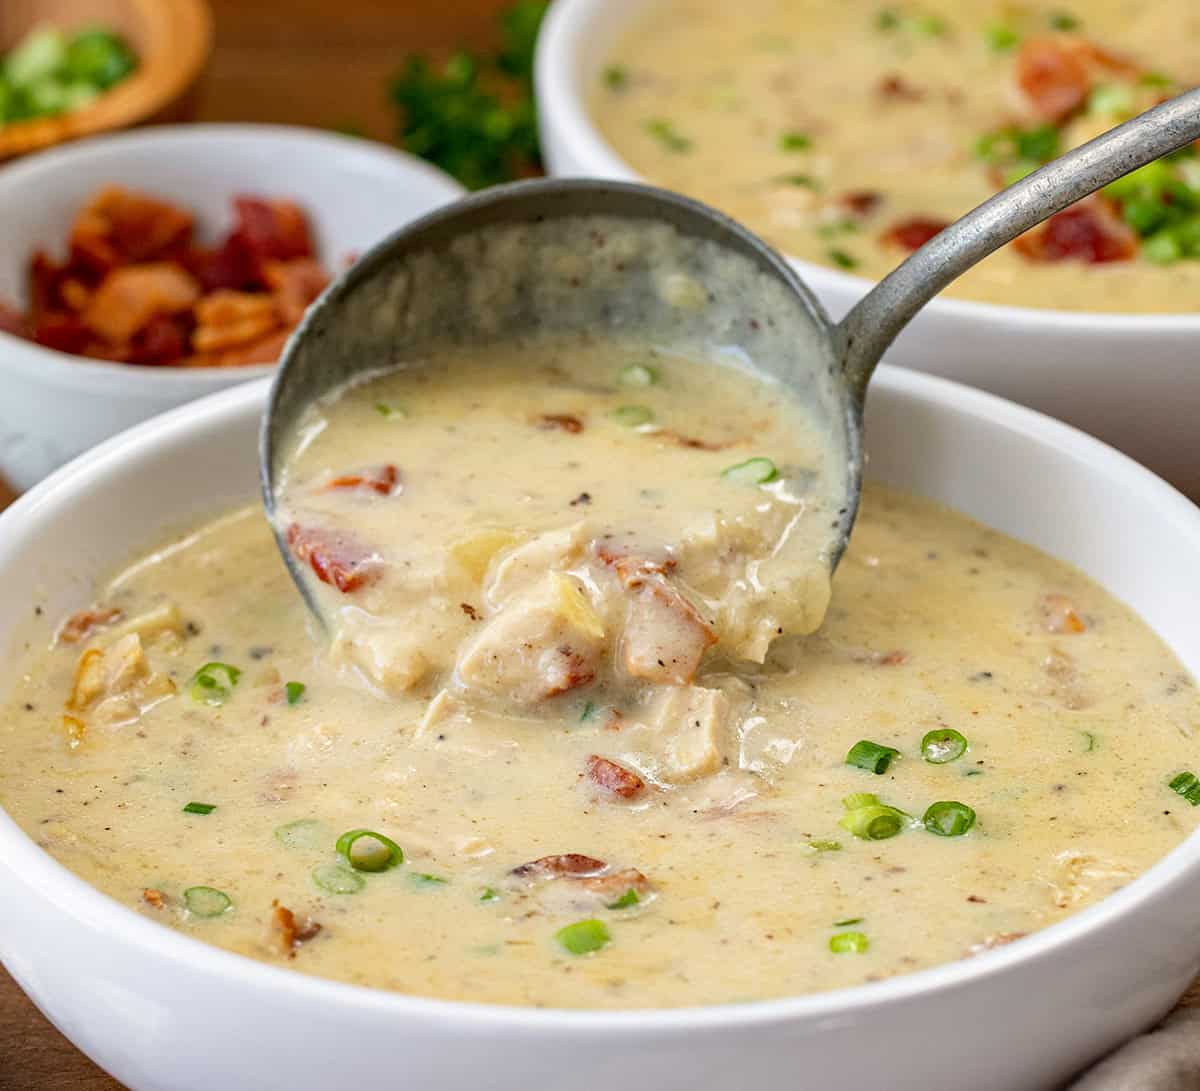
(870,756)
(200,808)
(1187,785)
(849,943)
(754,471)
(666,134)
(338,879)
(489,895)
(638,375)
(943,745)
(390,412)
(949,818)
(795,142)
(424,878)
(1162,248)
(887,19)
(589,711)
(1155,79)
(1144,214)
(626,901)
(1040,143)
(584,937)
(1021,169)
(825,846)
(1092,741)
(213,683)
(860,799)
(848,922)
(1063,20)
(304,833)
(294,691)
(366,850)
(841,259)
(1110,98)
(1001,38)
(633,416)
(206,901)
(933,26)
(1148,181)
(615,77)
(873,823)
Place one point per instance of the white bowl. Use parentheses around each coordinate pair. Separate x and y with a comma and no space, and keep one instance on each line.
(1133,380)
(53,406)
(163,1012)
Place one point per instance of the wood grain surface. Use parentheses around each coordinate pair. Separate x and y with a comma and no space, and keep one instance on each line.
(313,62)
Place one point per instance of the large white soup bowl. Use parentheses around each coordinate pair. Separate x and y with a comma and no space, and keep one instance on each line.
(164,1012)
(1131,379)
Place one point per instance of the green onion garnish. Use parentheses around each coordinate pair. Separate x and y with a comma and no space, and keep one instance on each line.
(870,756)
(825,846)
(869,819)
(848,922)
(1063,20)
(589,711)
(1155,79)
(294,691)
(666,134)
(390,412)
(304,833)
(1092,741)
(337,879)
(949,818)
(887,19)
(633,416)
(200,808)
(1162,248)
(931,25)
(1187,785)
(206,901)
(626,901)
(942,745)
(802,181)
(849,943)
(423,878)
(638,375)
(584,937)
(489,895)
(213,683)
(754,471)
(841,259)
(366,850)
(1110,98)
(615,77)
(1001,38)
(795,142)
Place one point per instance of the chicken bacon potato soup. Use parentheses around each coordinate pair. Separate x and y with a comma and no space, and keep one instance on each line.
(850,134)
(576,735)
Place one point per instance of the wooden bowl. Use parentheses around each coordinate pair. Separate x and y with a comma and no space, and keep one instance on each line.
(172,39)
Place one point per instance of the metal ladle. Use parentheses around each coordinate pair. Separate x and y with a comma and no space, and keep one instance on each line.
(454,276)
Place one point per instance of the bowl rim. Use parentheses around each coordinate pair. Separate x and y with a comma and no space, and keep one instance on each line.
(200,420)
(561,98)
(56,367)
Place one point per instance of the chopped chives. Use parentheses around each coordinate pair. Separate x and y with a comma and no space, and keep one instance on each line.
(848,922)
(489,895)
(666,134)
(615,77)
(887,19)
(584,937)
(633,416)
(1091,740)
(1154,79)
(825,846)
(849,943)
(803,181)
(589,711)
(869,819)
(390,412)
(949,818)
(841,259)
(1001,38)
(337,879)
(638,375)
(1063,20)
(795,142)
(206,901)
(213,683)
(200,808)
(859,799)
(870,756)
(934,26)
(1187,785)
(626,901)
(1111,99)
(754,471)
(943,745)
(366,850)
(294,691)
(304,833)
(423,878)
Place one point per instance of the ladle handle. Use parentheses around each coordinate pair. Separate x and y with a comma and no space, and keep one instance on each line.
(884,311)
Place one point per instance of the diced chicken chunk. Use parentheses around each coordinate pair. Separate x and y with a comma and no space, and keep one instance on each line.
(116,685)
(527,564)
(665,637)
(390,653)
(694,721)
(544,642)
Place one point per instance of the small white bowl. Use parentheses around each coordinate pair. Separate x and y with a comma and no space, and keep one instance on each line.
(1132,380)
(163,1012)
(53,406)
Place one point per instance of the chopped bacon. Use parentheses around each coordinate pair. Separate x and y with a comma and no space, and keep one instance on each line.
(266,350)
(893,659)
(163,340)
(1060,616)
(563,421)
(551,867)
(129,297)
(614,778)
(384,480)
(225,319)
(1056,74)
(1088,231)
(469,610)
(632,570)
(913,233)
(289,932)
(680,440)
(860,202)
(226,266)
(62,331)
(137,227)
(294,285)
(155,898)
(335,558)
(80,626)
(896,89)
(271,231)
(11,321)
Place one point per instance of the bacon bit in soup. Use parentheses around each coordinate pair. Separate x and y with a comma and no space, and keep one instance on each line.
(384,480)
(680,440)
(632,570)
(861,202)
(914,233)
(78,627)
(895,88)
(1060,616)
(154,898)
(335,558)
(563,421)
(288,932)
(614,778)
(1089,232)
(1055,74)
(552,867)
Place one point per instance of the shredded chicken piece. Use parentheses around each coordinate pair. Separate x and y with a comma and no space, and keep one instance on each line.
(665,637)
(116,684)
(693,722)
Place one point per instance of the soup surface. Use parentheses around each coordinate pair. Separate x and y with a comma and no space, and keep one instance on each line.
(553,693)
(848,134)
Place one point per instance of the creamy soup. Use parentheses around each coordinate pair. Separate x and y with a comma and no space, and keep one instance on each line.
(850,133)
(554,750)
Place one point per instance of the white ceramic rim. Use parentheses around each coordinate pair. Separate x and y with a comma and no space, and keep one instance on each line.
(65,369)
(74,896)
(561,99)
